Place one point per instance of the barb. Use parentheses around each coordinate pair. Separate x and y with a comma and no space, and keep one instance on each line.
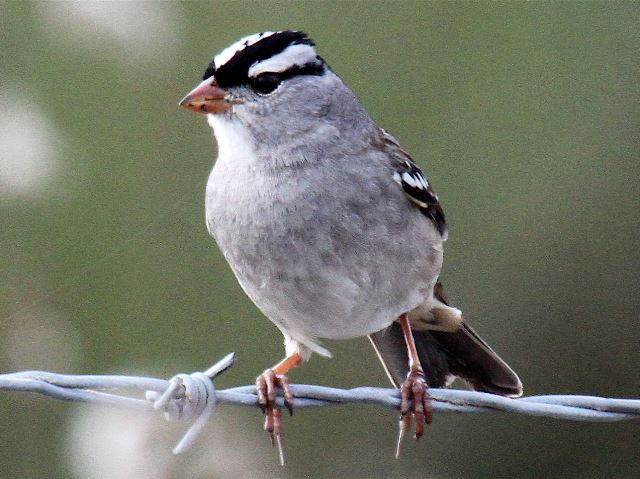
(193,397)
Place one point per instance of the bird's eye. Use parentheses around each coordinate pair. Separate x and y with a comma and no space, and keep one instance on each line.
(266,82)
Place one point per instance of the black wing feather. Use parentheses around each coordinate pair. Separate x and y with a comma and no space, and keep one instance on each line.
(417,187)
(415,183)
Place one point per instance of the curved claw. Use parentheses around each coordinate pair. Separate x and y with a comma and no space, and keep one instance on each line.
(286,392)
(266,385)
(414,402)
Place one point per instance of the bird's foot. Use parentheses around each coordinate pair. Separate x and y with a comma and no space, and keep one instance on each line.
(414,402)
(266,385)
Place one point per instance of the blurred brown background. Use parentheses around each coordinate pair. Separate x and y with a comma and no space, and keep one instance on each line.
(525,117)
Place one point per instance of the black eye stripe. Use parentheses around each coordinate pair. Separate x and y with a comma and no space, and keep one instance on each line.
(259,83)
(307,69)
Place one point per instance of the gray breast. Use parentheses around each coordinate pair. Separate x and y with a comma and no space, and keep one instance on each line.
(322,253)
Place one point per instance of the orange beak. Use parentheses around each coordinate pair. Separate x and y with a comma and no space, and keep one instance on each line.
(207,98)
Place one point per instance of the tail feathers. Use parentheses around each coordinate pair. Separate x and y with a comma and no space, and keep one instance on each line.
(446,355)
(474,361)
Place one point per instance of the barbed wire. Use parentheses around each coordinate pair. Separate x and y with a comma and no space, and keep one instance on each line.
(193,397)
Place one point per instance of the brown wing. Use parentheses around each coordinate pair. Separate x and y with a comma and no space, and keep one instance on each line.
(414,182)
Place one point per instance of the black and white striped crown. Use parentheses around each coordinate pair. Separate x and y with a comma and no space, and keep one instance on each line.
(286,52)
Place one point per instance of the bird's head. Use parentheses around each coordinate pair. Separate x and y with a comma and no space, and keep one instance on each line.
(265,70)
(276,85)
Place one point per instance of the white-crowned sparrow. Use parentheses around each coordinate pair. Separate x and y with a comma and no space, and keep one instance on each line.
(329,226)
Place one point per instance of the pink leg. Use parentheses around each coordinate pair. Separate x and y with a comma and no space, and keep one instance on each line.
(266,385)
(414,395)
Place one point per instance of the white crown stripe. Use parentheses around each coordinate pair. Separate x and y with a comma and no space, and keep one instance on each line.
(293,55)
(225,55)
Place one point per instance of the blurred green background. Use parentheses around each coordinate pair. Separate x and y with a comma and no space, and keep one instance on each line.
(526,118)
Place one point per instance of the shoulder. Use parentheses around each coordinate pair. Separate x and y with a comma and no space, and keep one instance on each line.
(412,180)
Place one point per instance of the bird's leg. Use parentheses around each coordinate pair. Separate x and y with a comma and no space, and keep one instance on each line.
(414,395)
(266,385)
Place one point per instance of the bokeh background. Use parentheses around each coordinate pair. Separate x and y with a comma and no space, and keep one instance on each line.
(526,118)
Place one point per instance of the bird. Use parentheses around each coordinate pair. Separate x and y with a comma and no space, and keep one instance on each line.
(330,227)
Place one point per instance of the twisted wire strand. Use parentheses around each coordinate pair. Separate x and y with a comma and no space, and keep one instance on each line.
(193,397)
